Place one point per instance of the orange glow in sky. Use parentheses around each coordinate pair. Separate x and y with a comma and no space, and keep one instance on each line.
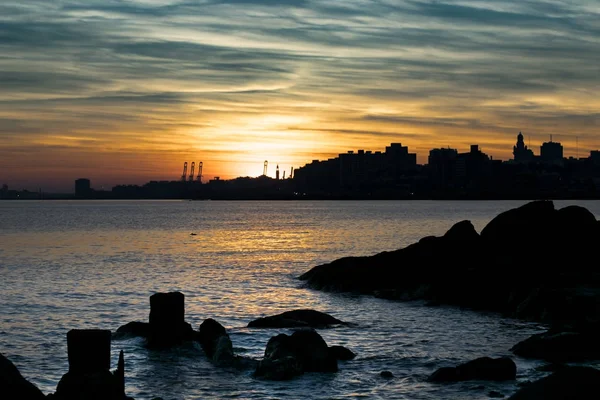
(126,92)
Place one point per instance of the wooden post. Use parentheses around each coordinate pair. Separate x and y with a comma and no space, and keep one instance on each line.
(88,350)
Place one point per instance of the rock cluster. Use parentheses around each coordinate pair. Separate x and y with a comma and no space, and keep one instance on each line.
(530,262)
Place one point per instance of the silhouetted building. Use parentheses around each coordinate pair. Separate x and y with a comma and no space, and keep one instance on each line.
(551,152)
(359,173)
(521,152)
(595,157)
(473,168)
(82,188)
(442,167)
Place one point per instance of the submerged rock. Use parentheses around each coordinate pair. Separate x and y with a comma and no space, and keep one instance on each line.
(296,319)
(572,383)
(13,385)
(288,356)
(484,369)
(386,374)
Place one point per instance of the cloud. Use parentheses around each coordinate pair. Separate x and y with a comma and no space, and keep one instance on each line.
(180,77)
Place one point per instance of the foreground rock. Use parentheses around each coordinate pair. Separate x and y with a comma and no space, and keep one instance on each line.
(89,375)
(483,369)
(166,326)
(13,385)
(216,342)
(561,347)
(289,356)
(341,353)
(572,383)
(297,319)
(530,262)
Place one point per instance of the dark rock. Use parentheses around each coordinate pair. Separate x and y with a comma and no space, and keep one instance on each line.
(288,356)
(462,231)
(88,350)
(167,325)
(223,354)
(572,383)
(575,217)
(341,353)
(495,395)
(210,332)
(484,368)
(279,369)
(134,329)
(560,347)
(296,319)
(531,262)
(551,367)
(386,374)
(313,352)
(218,348)
(516,224)
(444,374)
(13,384)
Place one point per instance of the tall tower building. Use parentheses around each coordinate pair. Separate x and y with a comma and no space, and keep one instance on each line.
(520,151)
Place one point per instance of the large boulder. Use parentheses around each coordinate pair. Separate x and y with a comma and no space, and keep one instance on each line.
(520,223)
(529,262)
(215,342)
(386,272)
(289,356)
(13,385)
(296,319)
(484,369)
(570,383)
(560,347)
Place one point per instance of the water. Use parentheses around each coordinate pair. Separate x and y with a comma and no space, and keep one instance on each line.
(94,264)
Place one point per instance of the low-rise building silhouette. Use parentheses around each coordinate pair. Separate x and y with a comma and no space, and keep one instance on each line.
(551,152)
(83,188)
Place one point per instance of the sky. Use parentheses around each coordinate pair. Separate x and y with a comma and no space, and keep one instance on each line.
(127,91)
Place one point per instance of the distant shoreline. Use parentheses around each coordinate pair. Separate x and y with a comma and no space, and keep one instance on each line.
(323,198)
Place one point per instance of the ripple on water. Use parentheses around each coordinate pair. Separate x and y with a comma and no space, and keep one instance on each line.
(94,264)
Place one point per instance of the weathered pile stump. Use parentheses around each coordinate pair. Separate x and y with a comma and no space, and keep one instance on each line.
(89,375)
(166,326)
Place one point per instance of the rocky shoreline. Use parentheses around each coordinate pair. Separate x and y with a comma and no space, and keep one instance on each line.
(533,262)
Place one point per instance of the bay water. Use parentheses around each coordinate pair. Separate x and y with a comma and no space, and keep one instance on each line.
(94,264)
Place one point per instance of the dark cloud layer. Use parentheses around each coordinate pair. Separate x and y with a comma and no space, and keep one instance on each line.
(323,75)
